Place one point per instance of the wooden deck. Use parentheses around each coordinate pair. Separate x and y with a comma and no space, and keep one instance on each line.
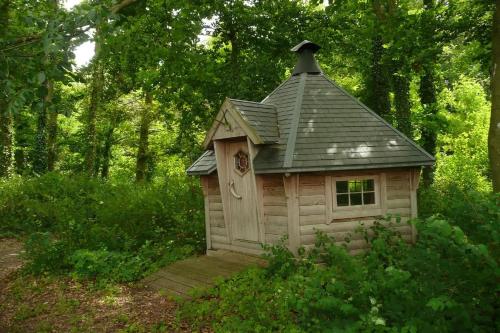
(182,276)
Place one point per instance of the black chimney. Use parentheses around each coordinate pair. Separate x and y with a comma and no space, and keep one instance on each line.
(307,62)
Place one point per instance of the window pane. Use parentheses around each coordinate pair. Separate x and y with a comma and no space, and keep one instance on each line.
(355,186)
(342,199)
(368,198)
(342,187)
(368,185)
(355,199)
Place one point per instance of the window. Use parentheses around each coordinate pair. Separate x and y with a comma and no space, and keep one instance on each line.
(358,192)
(241,163)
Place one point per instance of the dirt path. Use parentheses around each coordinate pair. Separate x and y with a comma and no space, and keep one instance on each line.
(10,256)
(61,304)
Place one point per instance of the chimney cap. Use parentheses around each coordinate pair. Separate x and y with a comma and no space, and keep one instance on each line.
(306,45)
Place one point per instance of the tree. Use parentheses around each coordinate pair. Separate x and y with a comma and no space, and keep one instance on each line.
(5,116)
(494,132)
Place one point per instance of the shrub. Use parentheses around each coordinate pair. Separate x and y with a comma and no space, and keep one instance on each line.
(92,226)
(443,283)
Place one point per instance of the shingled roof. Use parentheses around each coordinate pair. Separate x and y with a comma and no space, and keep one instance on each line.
(321,127)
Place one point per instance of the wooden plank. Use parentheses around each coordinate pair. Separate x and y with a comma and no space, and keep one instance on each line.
(180,278)
(401,211)
(399,203)
(207,212)
(292,189)
(383,193)
(276,229)
(217,223)
(308,190)
(217,231)
(364,212)
(277,220)
(312,210)
(329,199)
(275,210)
(311,180)
(312,219)
(214,198)
(414,180)
(216,215)
(274,200)
(310,200)
(220,154)
(220,239)
(215,206)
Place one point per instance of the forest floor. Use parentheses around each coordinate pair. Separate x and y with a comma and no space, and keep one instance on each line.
(62,304)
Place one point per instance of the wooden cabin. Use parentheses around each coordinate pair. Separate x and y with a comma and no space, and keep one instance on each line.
(308,157)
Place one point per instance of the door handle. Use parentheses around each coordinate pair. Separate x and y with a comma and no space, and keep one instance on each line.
(233,192)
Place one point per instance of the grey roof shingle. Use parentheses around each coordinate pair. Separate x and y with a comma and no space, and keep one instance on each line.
(320,127)
(262,117)
(204,165)
(323,128)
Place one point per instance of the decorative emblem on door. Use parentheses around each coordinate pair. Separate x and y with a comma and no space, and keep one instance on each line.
(241,163)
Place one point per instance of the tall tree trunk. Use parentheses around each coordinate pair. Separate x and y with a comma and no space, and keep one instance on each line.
(235,54)
(106,151)
(40,151)
(427,92)
(379,81)
(494,131)
(5,117)
(143,149)
(96,86)
(402,104)
(52,139)
(5,138)
(21,142)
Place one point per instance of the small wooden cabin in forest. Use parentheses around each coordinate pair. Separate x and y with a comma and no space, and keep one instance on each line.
(308,157)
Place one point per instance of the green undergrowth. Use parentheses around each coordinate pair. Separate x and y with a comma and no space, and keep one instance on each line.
(94,229)
(442,283)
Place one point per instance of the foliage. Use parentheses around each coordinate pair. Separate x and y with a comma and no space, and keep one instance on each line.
(95,228)
(444,283)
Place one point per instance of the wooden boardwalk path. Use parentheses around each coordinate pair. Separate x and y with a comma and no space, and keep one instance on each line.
(182,276)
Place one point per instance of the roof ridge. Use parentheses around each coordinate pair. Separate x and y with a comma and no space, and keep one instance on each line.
(275,90)
(410,141)
(253,102)
(292,136)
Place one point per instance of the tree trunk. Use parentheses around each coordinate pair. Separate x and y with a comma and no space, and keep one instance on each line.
(21,142)
(494,131)
(52,139)
(142,152)
(106,151)
(40,152)
(402,103)
(427,91)
(96,86)
(379,87)
(5,117)
(235,53)
(5,139)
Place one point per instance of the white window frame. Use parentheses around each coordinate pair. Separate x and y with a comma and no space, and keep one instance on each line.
(340,212)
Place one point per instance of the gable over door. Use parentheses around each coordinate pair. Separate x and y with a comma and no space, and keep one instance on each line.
(241,193)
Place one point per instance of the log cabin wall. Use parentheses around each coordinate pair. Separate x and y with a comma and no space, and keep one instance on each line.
(396,192)
(216,228)
(275,211)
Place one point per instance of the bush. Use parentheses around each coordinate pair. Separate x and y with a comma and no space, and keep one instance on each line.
(443,283)
(92,226)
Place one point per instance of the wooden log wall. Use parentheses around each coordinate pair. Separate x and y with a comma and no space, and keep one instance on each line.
(394,198)
(218,228)
(275,210)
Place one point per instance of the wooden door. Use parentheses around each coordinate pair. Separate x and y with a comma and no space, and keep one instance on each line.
(242,200)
